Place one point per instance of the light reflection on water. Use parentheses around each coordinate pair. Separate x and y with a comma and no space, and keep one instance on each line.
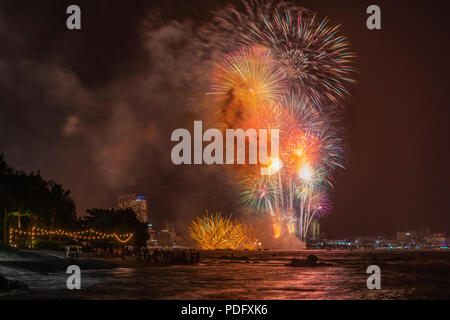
(405,275)
(38,281)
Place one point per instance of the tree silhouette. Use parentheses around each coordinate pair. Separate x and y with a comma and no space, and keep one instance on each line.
(27,200)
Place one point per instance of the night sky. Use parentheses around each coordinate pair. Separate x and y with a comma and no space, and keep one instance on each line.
(94,109)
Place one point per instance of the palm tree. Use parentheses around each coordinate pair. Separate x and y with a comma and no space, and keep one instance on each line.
(33,200)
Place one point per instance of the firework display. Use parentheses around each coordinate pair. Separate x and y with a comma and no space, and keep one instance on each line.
(314,57)
(279,67)
(214,231)
(312,54)
(251,75)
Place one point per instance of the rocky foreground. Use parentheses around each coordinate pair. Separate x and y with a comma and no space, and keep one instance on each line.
(7,285)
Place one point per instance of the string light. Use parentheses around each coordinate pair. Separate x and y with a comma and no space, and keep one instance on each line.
(88,234)
(123,241)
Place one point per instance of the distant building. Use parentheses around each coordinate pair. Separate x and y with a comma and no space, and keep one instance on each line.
(439,235)
(166,237)
(424,232)
(404,236)
(437,240)
(139,204)
(366,239)
(152,235)
(170,228)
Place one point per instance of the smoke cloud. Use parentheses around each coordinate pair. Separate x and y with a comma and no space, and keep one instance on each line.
(104,140)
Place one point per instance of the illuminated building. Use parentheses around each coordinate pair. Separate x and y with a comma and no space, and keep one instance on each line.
(167,236)
(152,235)
(139,204)
(424,232)
(437,241)
(404,236)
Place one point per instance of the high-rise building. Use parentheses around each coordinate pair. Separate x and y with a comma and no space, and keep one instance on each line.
(152,240)
(407,236)
(167,236)
(437,240)
(139,204)
(403,236)
(424,232)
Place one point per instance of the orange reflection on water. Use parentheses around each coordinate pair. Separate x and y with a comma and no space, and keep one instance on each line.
(276,230)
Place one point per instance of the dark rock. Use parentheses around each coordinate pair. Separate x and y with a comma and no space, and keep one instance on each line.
(311,261)
(6,285)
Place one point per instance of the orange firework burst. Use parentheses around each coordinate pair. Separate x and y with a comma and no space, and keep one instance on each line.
(214,232)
